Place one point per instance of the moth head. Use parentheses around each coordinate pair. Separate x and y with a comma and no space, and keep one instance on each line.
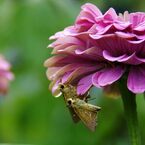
(61,87)
(64,88)
(69,102)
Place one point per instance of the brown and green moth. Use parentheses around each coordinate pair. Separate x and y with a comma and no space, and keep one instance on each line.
(79,107)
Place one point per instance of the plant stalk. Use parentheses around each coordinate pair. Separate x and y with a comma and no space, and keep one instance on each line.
(130,110)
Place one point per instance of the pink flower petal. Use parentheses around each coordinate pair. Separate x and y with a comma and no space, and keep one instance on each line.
(5,75)
(92,53)
(54,87)
(108,56)
(50,72)
(140,27)
(63,70)
(92,9)
(110,15)
(73,75)
(125,35)
(95,79)
(122,25)
(131,59)
(53,61)
(108,76)
(136,79)
(89,12)
(69,40)
(136,18)
(84,84)
(4,65)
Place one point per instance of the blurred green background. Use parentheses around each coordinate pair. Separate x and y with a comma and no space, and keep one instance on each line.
(29,114)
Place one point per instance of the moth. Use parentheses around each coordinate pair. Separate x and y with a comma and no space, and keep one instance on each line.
(78,106)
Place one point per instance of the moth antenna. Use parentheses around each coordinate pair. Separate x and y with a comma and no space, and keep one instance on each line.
(91,99)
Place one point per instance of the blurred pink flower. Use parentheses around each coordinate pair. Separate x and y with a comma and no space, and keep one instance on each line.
(5,75)
(98,50)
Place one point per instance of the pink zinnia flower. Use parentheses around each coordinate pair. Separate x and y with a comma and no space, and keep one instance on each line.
(5,75)
(98,50)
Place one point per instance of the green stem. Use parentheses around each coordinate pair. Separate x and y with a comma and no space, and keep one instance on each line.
(129,102)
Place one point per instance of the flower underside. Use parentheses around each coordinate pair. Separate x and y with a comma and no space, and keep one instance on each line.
(98,50)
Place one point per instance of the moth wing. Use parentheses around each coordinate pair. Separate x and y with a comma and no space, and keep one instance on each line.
(74,116)
(87,116)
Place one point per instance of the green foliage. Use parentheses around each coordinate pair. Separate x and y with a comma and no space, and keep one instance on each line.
(29,113)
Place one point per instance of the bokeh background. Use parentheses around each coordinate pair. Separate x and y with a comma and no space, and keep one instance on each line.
(29,114)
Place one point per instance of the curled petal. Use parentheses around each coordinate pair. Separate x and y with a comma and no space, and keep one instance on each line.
(108,76)
(140,27)
(92,53)
(125,35)
(110,15)
(54,87)
(50,72)
(89,12)
(53,61)
(67,50)
(108,56)
(136,18)
(121,25)
(69,40)
(56,36)
(84,84)
(64,69)
(132,59)
(136,79)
